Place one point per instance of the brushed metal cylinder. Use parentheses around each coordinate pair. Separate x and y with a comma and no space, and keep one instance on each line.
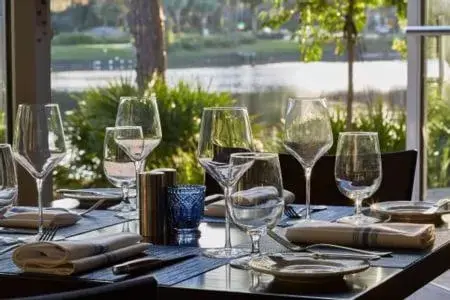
(170,175)
(152,207)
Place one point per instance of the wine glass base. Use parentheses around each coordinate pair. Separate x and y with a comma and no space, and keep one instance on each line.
(358,220)
(242,262)
(225,252)
(129,215)
(121,207)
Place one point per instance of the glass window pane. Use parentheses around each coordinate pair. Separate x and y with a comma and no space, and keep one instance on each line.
(3,70)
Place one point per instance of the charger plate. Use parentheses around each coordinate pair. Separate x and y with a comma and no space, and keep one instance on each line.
(409,211)
(293,268)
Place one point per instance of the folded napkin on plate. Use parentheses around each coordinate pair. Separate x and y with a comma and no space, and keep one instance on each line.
(71,257)
(217,209)
(387,235)
(28,217)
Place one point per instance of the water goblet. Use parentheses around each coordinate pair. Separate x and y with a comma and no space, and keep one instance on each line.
(358,171)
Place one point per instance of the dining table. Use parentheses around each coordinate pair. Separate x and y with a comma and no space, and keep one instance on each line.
(395,277)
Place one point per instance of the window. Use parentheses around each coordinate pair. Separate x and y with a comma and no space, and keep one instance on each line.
(3,73)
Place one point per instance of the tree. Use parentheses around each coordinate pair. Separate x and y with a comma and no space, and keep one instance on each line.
(253,4)
(175,7)
(146,22)
(328,21)
(205,8)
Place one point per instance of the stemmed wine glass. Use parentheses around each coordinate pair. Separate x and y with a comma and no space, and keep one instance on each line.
(138,112)
(257,203)
(39,144)
(357,171)
(223,131)
(8,178)
(307,136)
(118,168)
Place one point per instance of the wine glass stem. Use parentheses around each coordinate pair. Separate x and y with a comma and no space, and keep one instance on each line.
(39,182)
(358,204)
(308,172)
(227,191)
(138,164)
(125,200)
(255,237)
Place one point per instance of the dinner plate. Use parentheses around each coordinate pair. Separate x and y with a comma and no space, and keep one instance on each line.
(304,269)
(89,196)
(409,211)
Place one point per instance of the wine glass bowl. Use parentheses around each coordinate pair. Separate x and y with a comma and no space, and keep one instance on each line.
(307,135)
(8,178)
(256,204)
(223,131)
(358,171)
(39,143)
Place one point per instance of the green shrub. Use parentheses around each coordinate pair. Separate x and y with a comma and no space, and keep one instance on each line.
(79,38)
(180,110)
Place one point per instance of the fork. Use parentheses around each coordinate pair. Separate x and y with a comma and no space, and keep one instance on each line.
(48,234)
(295,248)
(290,212)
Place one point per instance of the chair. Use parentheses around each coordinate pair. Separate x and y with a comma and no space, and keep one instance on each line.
(397,183)
(144,286)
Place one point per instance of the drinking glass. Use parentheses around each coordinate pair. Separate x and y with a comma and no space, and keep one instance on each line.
(223,131)
(119,169)
(257,202)
(39,144)
(358,170)
(8,178)
(138,112)
(307,136)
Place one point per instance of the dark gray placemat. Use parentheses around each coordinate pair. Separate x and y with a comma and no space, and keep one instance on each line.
(166,276)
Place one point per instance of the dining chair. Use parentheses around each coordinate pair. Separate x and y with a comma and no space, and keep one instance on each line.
(132,288)
(397,182)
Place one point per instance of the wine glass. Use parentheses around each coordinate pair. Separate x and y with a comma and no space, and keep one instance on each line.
(118,168)
(142,112)
(223,131)
(256,204)
(307,136)
(39,144)
(8,178)
(358,171)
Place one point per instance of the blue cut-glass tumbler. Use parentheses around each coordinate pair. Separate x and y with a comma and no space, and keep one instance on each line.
(186,205)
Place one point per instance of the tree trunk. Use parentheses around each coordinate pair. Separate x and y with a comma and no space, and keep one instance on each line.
(254,11)
(146,22)
(350,34)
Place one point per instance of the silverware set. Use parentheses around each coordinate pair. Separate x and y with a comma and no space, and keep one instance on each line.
(290,212)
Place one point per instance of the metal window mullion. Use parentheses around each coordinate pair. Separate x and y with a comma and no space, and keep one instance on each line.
(415,97)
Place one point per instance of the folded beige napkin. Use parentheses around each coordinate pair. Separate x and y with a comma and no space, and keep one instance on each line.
(71,257)
(217,209)
(388,235)
(27,217)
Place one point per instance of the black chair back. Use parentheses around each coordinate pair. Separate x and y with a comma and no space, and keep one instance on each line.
(397,183)
(144,287)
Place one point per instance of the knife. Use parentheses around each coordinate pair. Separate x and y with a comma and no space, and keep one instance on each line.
(9,230)
(147,264)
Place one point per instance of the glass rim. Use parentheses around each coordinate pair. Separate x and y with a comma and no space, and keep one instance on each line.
(186,187)
(225,108)
(368,133)
(308,98)
(257,155)
(38,104)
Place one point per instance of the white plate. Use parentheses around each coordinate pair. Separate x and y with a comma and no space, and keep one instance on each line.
(301,269)
(409,211)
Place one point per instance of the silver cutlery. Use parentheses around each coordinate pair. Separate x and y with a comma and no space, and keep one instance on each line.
(323,255)
(146,264)
(436,206)
(291,213)
(295,248)
(86,192)
(48,234)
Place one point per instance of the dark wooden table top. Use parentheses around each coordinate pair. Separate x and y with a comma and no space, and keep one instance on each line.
(228,283)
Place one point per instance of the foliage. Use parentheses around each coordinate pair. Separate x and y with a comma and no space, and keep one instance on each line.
(180,110)
(77,38)
(197,42)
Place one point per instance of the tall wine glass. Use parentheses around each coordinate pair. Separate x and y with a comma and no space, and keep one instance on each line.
(257,203)
(358,170)
(142,112)
(118,168)
(38,144)
(223,131)
(307,136)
